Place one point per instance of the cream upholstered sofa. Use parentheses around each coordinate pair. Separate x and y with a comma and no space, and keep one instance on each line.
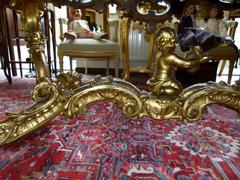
(221,52)
(102,49)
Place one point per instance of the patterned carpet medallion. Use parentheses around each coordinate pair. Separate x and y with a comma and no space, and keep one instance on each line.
(103,144)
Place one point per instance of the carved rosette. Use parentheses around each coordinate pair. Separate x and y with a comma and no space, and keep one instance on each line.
(161,108)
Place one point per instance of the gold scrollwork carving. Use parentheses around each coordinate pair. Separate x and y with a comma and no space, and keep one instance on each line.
(130,99)
(197,97)
(70,80)
(123,93)
(45,109)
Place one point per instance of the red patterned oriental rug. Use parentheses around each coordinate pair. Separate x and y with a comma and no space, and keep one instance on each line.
(104,144)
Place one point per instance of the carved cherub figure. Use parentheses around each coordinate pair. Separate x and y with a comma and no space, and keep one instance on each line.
(163,81)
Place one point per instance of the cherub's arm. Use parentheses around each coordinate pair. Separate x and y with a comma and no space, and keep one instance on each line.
(188,63)
(183,63)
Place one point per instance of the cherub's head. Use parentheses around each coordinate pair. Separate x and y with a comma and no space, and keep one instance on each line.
(75,14)
(166,39)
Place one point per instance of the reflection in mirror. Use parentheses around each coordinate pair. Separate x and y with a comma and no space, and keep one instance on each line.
(81,1)
(230,1)
(144,7)
(160,7)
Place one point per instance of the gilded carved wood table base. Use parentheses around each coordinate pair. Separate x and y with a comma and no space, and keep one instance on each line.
(68,95)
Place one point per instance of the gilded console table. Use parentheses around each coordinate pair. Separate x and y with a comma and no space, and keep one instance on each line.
(69,95)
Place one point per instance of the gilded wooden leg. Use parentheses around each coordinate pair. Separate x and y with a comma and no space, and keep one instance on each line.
(30,12)
(124,36)
(47,97)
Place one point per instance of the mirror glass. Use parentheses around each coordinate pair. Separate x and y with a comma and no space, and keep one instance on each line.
(158,8)
(81,1)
